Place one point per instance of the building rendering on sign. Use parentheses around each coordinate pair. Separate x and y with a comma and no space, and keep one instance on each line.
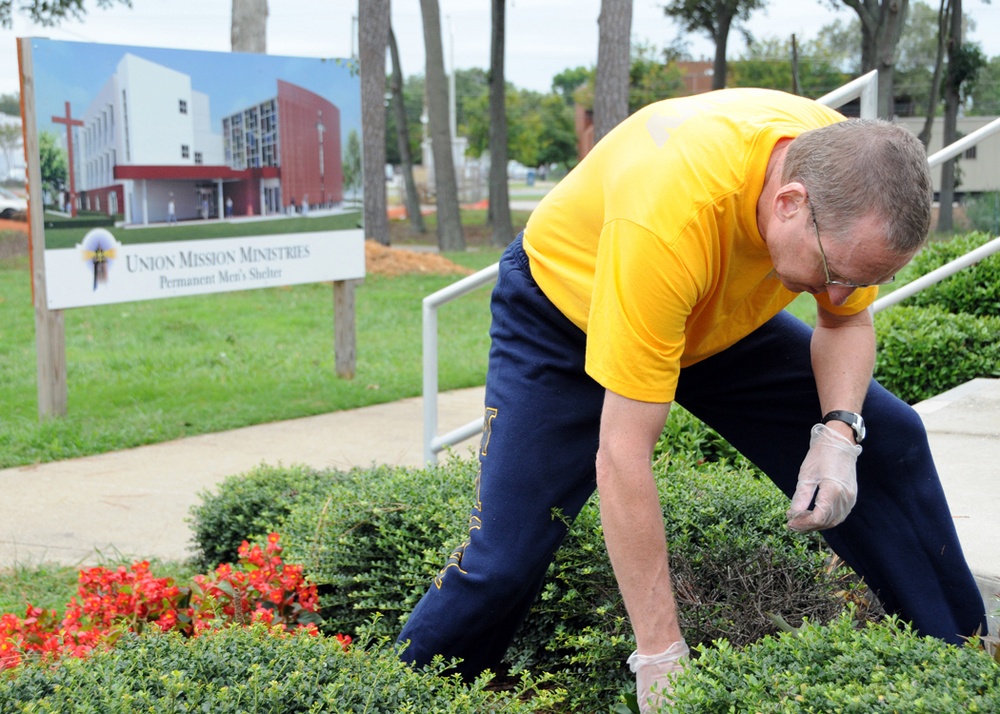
(147,149)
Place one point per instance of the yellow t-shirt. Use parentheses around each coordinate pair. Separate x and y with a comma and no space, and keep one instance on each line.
(651,246)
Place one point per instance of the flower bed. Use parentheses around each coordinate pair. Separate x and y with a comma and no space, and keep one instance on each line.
(260,588)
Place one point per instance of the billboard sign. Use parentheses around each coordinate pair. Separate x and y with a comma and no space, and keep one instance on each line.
(169,172)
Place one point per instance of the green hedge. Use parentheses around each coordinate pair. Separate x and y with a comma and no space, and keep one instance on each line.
(983,212)
(841,668)
(924,351)
(249,506)
(240,670)
(380,535)
(974,290)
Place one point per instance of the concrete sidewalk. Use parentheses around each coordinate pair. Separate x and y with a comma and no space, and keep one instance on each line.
(135,503)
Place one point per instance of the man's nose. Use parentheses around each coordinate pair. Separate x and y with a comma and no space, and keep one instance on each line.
(839,293)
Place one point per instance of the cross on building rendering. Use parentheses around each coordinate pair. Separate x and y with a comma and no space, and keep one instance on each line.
(70,122)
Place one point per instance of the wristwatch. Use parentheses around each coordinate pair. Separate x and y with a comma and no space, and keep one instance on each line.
(852,419)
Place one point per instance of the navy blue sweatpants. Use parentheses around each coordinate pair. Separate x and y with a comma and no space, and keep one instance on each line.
(538,454)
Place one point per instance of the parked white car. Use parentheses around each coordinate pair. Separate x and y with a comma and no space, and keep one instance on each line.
(11,204)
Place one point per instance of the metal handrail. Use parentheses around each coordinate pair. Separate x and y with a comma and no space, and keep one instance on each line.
(864,88)
(432,442)
(937,275)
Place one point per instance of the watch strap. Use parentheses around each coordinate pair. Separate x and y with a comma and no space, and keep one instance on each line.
(852,419)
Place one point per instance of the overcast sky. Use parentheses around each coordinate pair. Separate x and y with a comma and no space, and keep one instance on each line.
(544,37)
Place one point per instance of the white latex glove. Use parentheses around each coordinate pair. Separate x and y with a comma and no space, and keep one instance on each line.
(654,675)
(830,466)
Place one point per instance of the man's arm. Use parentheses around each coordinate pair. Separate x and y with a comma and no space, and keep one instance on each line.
(632,519)
(843,358)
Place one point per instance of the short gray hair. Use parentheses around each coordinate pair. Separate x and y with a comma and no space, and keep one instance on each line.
(862,167)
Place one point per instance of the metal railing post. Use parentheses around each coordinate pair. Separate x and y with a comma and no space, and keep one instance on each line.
(430,362)
(433,443)
(865,87)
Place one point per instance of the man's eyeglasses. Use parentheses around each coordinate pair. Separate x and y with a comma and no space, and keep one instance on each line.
(826,266)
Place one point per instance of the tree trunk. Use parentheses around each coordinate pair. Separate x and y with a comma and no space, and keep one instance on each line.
(796,87)
(449,217)
(721,42)
(944,20)
(881,27)
(373,27)
(403,141)
(952,86)
(248,30)
(613,54)
(503,231)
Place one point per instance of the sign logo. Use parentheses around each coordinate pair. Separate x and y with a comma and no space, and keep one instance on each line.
(99,251)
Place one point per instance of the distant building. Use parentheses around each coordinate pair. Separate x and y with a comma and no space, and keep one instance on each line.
(147,141)
(312,174)
(697,76)
(979,165)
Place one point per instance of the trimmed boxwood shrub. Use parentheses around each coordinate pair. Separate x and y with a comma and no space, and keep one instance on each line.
(983,212)
(924,351)
(974,290)
(841,668)
(249,506)
(238,670)
(376,537)
(687,435)
(734,564)
(381,534)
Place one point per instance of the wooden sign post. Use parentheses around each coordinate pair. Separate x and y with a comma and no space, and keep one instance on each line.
(50,333)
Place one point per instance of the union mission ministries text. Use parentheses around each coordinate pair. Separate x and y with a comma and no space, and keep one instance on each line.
(236,265)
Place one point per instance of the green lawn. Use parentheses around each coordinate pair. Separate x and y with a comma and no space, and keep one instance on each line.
(151,371)
(67,237)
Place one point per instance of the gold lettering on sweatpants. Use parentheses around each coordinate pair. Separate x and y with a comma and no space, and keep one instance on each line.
(475,522)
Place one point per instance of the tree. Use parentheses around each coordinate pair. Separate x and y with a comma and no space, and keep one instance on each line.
(569,80)
(837,43)
(10,104)
(373,24)
(49,13)
(943,23)
(767,63)
(248,30)
(611,81)
(413,106)
(881,27)
(449,218)
(398,102)
(650,78)
(52,160)
(716,17)
(503,231)
(985,94)
(964,62)
(10,141)
(557,141)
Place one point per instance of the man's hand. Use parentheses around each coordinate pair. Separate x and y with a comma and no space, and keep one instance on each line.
(654,676)
(830,466)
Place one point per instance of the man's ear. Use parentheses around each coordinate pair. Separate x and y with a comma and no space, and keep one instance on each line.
(789,200)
